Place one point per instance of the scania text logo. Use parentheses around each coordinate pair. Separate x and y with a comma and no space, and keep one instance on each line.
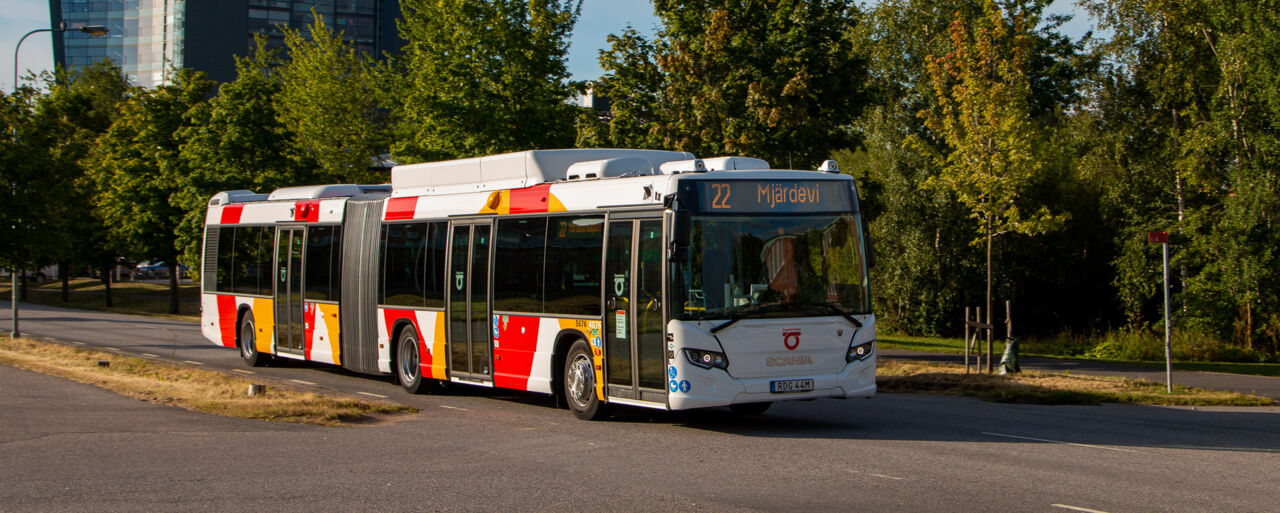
(783,361)
(791,339)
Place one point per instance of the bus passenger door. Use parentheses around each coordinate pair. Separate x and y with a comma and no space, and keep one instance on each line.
(288,289)
(470,351)
(633,311)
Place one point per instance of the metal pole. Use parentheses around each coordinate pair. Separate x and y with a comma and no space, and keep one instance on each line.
(1168,347)
(13,303)
(966,340)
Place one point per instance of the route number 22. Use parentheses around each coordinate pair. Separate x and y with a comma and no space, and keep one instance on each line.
(721,199)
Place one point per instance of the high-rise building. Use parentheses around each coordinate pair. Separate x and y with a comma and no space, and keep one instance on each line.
(148,38)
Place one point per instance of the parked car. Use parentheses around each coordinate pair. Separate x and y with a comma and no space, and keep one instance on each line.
(156,269)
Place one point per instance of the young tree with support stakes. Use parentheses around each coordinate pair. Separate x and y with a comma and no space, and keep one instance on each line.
(983,115)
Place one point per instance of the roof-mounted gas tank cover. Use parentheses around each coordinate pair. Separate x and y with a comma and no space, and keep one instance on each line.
(236,196)
(734,163)
(683,166)
(325,191)
(714,164)
(606,168)
(520,169)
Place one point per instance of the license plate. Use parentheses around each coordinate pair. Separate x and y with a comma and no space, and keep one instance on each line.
(791,385)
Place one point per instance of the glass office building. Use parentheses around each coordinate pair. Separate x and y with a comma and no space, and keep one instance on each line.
(150,38)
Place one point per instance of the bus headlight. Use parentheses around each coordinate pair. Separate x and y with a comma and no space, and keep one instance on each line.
(861,351)
(706,359)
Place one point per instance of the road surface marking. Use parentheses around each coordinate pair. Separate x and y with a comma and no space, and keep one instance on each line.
(1063,443)
(881,476)
(149,355)
(110,348)
(303,382)
(454,408)
(78,343)
(192,362)
(1076,508)
(242,371)
(380,396)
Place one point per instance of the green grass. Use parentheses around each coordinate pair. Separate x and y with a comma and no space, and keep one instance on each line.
(1033,387)
(128,297)
(1057,349)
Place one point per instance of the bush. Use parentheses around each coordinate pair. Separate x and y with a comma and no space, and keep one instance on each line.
(1188,346)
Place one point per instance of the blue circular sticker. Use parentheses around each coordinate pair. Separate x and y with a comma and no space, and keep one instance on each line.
(685,386)
(671,372)
(675,387)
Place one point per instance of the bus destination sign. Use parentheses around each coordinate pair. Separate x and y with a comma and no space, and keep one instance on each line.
(782,196)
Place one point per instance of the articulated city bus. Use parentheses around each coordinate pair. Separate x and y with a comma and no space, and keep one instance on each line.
(604,277)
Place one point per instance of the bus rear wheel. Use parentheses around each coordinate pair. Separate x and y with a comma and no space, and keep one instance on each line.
(248,344)
(409,364)
(580,383)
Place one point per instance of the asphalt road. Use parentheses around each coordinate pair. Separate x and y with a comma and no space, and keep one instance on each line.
(65,446)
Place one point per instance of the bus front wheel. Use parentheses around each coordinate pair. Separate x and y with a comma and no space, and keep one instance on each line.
(580,383)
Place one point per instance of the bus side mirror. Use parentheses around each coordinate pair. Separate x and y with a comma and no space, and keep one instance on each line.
(679,251)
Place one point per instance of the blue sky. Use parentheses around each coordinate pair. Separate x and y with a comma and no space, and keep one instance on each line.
(599,19)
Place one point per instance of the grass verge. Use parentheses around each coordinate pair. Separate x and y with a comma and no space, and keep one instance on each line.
(193,389)
(1032,387)
(127,297)
(956,346)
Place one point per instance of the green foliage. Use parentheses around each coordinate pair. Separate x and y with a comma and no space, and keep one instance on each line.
(140,175)
(328,98)
(982,87)
(485,77)
(777,79)
(633,82)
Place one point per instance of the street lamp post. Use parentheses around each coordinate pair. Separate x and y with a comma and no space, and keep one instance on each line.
(92,30)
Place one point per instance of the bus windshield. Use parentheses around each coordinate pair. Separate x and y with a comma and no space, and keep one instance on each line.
(772,267)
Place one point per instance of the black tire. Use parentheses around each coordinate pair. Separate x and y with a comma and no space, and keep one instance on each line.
(749,408)
(409,364)
(248,345)
(580,383)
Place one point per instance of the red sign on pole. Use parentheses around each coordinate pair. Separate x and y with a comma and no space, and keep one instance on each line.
(1161,237)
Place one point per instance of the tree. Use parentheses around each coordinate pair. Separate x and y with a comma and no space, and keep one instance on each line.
(633,83)
(983,115)
(328,99)
(237,140)
(485,77)
(777,79)
(140,174)
(79,106)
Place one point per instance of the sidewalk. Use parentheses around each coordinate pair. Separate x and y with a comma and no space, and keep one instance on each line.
(1258,385)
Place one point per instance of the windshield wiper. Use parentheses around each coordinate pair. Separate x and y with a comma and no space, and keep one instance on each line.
(726,324)
(847,316)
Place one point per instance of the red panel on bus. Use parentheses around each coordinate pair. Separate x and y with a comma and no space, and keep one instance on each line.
(306,211)
(227,319)
(231,214)
(513,351)
(308,328)
(424,351)
(530,199)
(401,208)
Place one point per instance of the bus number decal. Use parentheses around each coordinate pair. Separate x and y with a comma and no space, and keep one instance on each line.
(721,199)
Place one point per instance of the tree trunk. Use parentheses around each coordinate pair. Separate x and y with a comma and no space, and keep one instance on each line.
(173,285)
(106,282)
(990,236)
(64,274)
